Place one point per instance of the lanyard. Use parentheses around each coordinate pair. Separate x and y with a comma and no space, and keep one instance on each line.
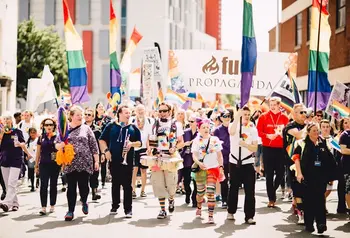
(273,121)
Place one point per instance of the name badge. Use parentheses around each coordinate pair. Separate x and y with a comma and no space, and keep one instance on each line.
(12,137)
(317,163)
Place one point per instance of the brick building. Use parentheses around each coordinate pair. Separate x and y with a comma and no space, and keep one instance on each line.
(294,31)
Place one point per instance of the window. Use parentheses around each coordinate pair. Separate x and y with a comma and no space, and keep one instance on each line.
(341,13)
(105,12)
(298,29)
(84,12)
(105,78)
(24,10)
(309,23)
(50,12)
(104,44)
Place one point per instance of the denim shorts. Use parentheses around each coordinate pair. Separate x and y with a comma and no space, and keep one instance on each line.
(347,183)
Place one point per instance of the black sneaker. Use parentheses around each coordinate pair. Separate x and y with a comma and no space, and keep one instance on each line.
(321,228)
(96,197)
(171,206)
(113,211)
(224,205)
(187,199)
(309,229)
(33,189)
(4,207)
(162,215)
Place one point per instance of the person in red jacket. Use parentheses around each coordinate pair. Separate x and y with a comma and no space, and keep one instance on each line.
(270,126)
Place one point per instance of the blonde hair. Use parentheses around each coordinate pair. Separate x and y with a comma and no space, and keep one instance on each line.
(275,99)
(73,110)
(90,109)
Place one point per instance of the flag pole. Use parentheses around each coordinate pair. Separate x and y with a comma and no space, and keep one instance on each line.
(317,56)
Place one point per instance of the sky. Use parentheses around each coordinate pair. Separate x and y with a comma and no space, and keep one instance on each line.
(265,18)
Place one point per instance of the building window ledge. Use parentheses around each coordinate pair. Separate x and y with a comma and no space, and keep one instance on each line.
(339,30)
(297,47)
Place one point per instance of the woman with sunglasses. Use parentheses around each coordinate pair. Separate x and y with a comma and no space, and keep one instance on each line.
(315,167)
(11,147)
(46,165)
(189,135)
(206,151)
(344,142)
(181,118)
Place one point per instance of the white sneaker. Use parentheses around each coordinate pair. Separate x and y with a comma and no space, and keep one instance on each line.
(287,198)
(250,221)
(230,217)
(300,219)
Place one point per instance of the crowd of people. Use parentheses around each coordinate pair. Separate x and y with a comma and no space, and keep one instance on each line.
(207,155)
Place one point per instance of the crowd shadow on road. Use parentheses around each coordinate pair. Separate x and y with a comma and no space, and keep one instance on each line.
(28,217)
(296,231)
(195,224)
(229,227)
(150,223)
(55,224)
(344,228)
(267,210)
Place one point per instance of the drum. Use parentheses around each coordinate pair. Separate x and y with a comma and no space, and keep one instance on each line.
(153,141)
(149,161)
(171,163)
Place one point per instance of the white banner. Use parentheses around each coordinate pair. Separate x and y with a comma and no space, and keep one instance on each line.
(219,71)
(148,84)
(151,55)
(341,94)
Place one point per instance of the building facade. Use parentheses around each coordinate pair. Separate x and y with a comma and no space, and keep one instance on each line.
(295,36)
(8,55)
(173,24)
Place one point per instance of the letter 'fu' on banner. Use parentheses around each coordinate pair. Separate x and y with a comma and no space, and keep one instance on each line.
(219,71)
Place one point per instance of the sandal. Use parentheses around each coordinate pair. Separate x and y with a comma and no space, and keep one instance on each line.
(42,212)
(15,208)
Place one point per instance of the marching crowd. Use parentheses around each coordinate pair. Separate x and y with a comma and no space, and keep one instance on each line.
(218,152)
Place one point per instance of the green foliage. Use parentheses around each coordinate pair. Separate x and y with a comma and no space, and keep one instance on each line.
(35,48)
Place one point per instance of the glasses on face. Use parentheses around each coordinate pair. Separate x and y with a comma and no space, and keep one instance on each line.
(191,121)
(163,111)
(225,116)
(319,115)
(303,112)
(88,114)
(48,125)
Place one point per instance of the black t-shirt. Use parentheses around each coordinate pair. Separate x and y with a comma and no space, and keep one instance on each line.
(114,135)
(288,139)
(345,140)
(11,156)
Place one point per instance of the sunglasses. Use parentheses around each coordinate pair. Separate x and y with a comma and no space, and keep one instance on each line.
(303,112)
(191,121)
(48,124)
(225,116)
(163,111)
(319,115)
(88,114)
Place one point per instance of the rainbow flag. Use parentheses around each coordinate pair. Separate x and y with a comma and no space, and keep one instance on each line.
(195,97)
(174,97)
(341,109)
(115,76)
(323,90)
(76,63)
(249,52)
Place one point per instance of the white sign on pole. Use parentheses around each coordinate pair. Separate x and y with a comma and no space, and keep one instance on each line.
(148,84)
(219,71)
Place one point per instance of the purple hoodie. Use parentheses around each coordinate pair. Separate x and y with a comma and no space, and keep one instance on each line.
(188,136)
(222,133)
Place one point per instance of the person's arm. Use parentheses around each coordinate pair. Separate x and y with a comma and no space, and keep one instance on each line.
(296,158)
(220,159)
(137,139)
(103,140)
(260,127)
(344,150)
(296,133)
(253,147)
(234,124)
(180,142)
(37,160)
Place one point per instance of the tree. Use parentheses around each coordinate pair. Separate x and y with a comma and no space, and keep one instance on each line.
(35,48)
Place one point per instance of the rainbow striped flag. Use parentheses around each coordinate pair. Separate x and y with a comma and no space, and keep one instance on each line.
(195,97)
(341,109)
(249,52)
(76,63)
(135,38)
(115,76)
(323,90)
(174,97)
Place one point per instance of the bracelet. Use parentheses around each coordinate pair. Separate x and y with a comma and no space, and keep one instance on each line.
(221,166)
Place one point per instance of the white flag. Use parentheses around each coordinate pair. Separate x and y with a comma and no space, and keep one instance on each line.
(41,90)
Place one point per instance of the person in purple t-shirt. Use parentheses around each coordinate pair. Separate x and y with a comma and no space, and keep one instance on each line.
(11,145)
(223,134)
(186,154)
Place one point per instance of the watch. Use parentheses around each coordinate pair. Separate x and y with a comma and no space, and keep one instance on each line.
(106,150)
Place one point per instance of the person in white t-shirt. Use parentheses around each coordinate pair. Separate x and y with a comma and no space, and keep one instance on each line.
(206,152)
(144,124)
(242,164)
(27,123)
